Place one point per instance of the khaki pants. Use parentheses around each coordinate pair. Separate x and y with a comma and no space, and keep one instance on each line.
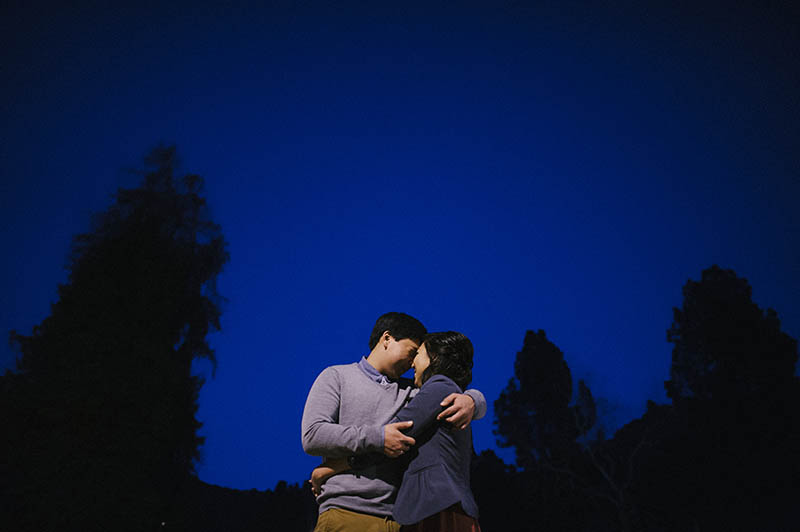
(339,520)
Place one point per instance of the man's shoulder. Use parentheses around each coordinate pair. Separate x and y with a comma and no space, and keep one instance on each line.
(352,370)
(339,370)
(342,367)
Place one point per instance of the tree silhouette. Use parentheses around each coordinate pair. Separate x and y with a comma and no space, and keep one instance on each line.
(500,493)
(723,455)
(534,411)
(735,397)
(537,416)
(206,508)
(102,409)
(725,345)
(583,477)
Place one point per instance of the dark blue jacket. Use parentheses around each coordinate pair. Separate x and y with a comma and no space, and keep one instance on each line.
(438,472)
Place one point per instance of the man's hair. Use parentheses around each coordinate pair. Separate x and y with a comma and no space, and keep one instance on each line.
(451,355)
(399,326)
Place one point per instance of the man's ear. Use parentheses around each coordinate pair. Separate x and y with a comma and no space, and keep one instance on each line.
(385,339)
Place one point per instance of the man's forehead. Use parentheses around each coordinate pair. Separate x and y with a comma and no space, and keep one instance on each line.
(408,342)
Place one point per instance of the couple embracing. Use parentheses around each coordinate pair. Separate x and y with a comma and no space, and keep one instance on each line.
(396,453)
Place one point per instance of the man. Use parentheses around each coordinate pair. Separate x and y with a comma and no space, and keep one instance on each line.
(347,412)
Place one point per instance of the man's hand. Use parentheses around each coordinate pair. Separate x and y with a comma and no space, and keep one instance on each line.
(459,411)
(395,442)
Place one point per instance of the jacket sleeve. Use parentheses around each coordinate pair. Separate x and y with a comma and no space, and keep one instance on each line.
(422,410)
(321,433)
(479,400)
(426,405)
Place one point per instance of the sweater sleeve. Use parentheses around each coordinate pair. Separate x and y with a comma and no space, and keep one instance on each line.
(480,403)
(321,433)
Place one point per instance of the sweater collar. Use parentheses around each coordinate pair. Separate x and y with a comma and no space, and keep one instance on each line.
(372,373)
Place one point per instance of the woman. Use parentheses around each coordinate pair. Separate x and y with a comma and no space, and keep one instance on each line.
(434,494)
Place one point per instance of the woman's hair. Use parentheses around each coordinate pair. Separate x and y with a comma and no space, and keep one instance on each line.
(451,355)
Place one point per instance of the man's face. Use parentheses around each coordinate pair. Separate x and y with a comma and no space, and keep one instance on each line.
(401,354)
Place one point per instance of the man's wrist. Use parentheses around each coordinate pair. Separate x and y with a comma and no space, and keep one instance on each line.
(480,403)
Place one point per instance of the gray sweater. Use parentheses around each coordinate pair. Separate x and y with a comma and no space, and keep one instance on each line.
(345,414)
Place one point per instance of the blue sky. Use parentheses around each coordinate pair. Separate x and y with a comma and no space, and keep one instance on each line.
(487,167)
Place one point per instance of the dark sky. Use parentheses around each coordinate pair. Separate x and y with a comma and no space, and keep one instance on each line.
(487,167)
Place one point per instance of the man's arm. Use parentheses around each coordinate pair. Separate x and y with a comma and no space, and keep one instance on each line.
(480,402)
(321,433)
(463,408)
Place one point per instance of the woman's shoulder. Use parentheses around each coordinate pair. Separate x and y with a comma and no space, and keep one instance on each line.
(441,382)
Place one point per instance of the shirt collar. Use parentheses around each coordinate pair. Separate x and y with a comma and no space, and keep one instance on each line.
(371,372)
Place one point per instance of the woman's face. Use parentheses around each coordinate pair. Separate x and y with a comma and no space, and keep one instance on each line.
(420,364)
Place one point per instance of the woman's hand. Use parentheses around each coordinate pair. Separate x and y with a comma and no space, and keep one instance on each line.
(326,470)
(318,477)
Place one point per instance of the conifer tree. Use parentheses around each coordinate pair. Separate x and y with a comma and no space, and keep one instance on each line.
(103,404)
